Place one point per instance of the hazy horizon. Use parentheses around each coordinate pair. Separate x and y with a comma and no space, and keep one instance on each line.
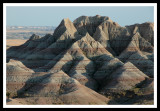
(52,15)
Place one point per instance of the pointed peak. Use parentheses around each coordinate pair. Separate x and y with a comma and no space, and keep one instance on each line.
(137,34)
(34,37)
(65,21)
(98,16)
(66,26)
(87,36)
(128,64)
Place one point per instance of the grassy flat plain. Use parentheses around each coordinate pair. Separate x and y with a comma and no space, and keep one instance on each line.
(24,32)
(14,42)
(17,35)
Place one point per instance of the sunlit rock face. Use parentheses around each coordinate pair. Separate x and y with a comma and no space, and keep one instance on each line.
(92,60)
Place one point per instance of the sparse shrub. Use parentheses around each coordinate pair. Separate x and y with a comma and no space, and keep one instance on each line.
(8,94)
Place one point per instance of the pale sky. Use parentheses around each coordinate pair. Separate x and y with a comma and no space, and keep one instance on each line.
(52,16)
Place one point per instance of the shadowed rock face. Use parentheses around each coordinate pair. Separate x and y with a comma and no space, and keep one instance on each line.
(61,87)
(17,75)
(92,55)
(125,77)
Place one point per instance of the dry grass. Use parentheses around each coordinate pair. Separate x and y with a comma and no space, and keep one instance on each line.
(15,42)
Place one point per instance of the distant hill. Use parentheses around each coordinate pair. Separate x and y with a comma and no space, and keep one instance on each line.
(24,32)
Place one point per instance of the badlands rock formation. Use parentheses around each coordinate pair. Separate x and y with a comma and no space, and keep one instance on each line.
(91,60)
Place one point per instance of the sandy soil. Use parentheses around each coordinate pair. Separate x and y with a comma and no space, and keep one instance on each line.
(15,101)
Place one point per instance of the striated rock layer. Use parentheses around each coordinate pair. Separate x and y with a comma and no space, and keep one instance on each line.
(83,62)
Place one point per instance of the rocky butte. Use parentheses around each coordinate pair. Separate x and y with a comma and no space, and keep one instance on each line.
(92,60)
